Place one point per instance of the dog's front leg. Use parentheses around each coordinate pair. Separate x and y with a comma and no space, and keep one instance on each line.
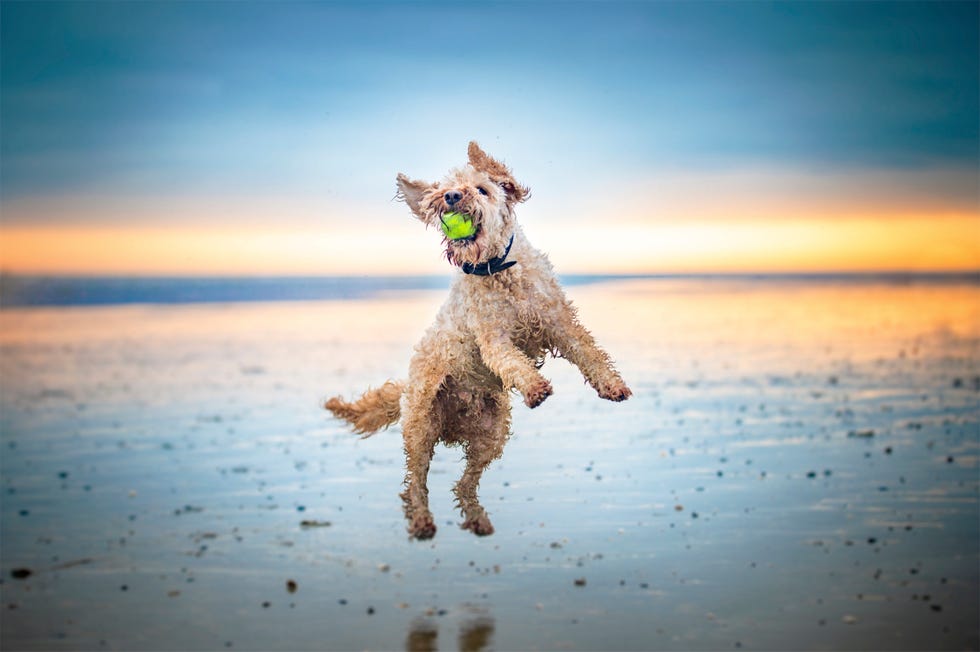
(513,367)
(576,344)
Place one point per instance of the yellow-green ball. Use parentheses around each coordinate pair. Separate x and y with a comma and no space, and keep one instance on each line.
(457,226)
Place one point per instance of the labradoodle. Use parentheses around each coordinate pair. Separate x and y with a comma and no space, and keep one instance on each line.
(504,312)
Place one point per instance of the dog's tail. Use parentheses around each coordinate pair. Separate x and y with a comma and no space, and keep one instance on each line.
(376,409)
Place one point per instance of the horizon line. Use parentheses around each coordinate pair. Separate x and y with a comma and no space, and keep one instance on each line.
(67,291)
(801,273)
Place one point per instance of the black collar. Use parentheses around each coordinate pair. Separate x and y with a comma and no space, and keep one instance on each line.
(492,266)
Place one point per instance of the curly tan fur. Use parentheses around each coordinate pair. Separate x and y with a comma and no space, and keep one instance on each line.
(490,337)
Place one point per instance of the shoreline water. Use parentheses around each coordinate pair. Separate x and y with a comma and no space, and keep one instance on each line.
(51,290)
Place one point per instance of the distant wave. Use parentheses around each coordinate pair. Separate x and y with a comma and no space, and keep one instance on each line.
(88,291)
(18,290)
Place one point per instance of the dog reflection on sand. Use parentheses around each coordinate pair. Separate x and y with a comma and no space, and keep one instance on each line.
(474,635)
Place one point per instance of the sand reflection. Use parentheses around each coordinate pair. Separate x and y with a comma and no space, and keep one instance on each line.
(475,635)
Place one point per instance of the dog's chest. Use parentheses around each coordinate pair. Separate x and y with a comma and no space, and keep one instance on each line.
(522,316)
(528,331)
(515,307)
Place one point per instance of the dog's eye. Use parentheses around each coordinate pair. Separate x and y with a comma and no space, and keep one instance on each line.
(482,191)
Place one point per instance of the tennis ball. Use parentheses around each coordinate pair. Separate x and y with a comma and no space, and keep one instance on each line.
(457,226)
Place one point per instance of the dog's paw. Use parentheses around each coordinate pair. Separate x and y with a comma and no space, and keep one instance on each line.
(615,391)
(422,527)
(480,525)
(537,393)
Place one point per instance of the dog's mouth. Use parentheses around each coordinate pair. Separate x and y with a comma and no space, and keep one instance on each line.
(463,242)
(459,228)
(462,236)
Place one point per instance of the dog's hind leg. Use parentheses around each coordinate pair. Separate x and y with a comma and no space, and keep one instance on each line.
(475,516)
(421,525)
(420,430)
(482,447)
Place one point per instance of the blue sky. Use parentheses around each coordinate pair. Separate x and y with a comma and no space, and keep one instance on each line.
(327,101)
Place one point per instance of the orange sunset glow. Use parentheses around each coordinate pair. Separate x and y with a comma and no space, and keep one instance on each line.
(946,243)
(758,221)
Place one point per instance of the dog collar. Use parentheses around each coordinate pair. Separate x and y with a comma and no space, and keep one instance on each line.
(492,266)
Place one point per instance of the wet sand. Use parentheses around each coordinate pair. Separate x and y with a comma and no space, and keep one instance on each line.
(797,469)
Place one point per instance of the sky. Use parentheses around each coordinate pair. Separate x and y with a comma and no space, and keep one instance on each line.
(229,138)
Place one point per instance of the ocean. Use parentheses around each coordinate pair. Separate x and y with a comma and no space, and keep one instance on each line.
(26,290)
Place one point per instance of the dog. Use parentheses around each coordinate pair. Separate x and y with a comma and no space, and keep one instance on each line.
(505,312)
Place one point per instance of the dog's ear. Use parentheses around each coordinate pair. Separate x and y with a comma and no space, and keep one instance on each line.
(410,191)
(497,171)
(483,162)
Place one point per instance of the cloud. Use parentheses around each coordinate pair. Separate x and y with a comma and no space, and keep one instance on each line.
(202,94)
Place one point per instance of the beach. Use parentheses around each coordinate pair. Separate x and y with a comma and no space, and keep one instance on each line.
(797,469)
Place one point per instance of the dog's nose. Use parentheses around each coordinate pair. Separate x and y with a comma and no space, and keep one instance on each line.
(453,196)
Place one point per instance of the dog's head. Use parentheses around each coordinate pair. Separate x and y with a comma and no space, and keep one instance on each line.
(484,191)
